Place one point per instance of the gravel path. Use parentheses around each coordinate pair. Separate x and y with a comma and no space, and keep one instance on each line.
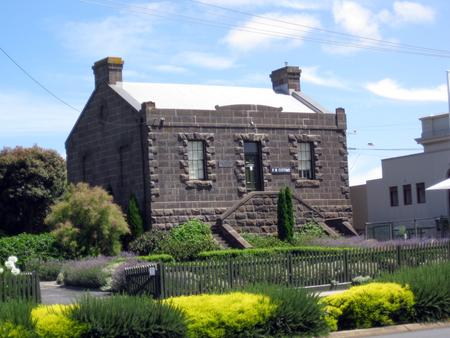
(52,293)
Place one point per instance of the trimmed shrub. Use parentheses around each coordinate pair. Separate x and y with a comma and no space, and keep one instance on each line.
(27,246)
(282,217)
(225,315)
(124,316)
(375,304)
(261,242)
(430,285)
(87,222)
(52,322)
(290,224)
(148,243)
(150,258)
(48,270)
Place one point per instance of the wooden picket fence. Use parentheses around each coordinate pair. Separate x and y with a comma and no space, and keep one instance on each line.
(306,269)
(24,285)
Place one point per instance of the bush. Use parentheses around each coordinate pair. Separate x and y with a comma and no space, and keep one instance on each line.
(375,304)
(290,224)
(312,229)
(298,312)
(124,316)
(88,273)
(48,270)
(150,258)
(282,216)
(224,315)
(117,282)
(148,243)
(260,242)
(52,322)
(430,285)
(16,320)
(27,246)
(134,221)
(87,222)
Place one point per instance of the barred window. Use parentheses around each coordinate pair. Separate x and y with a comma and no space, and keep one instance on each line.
(196,160)
(304,161)
(393,192)
(407,194)
(421,193)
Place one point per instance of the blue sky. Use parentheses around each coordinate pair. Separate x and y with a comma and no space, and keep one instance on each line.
(383,93)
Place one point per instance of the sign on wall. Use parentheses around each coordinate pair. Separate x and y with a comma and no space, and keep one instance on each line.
(281,170)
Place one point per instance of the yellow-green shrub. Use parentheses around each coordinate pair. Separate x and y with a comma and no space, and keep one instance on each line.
(10,330)
(224,315)
(374,304)
(52,323)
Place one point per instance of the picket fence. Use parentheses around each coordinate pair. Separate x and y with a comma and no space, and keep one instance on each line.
(305,269)
(24,285)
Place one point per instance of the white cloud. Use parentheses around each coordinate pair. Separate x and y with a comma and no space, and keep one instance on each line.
(356,19)
(42,117)
(113,36)
(406,11)
(171,69)
(362,177)
(297,4)
(205,60)
(389,88)
(245,40)
(309,74)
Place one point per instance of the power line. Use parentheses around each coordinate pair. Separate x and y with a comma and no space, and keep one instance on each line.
(215,23)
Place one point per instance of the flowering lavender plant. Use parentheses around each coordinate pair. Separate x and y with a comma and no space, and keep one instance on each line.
(362,242)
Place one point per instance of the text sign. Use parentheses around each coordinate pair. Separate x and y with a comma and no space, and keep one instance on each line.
(225,164)
(281,170)
(152,271)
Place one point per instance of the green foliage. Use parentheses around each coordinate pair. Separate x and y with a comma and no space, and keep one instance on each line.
(148,243)
(27,246)
(191,230)
(375,304)
(31,179)
(298,312)
(431,287)
(261,242)
(313,229)
(52,322)
(282,217)
(290,224)
(224,315)
(237,253)
(48,270)
(87,222)
(124,316)
(150,258)
(16,320)
(134,221)
(109,190)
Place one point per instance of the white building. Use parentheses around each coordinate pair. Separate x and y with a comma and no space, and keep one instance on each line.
(401,193)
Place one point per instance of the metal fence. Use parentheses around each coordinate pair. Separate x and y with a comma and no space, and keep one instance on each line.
(308,269)
(429,227)
(24,285)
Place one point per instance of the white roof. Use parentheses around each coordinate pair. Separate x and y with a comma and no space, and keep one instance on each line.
(179,96)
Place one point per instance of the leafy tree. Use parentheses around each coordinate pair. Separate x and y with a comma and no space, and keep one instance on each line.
(31,179)
(87,222)
(282,216)
(290,224)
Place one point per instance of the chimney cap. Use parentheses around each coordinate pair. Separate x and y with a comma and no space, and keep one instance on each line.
(108,60)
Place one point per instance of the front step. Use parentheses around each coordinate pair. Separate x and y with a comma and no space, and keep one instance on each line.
(219,238)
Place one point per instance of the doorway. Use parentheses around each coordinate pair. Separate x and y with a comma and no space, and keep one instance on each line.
(253,174)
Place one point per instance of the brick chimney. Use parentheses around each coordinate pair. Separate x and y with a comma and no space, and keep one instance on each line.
(108,70)
(286,79)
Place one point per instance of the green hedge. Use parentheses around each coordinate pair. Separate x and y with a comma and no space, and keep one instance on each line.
(150,258)
(236,253)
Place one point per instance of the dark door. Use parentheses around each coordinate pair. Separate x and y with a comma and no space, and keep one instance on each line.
(253,166)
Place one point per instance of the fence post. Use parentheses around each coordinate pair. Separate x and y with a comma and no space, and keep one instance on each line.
(346,278)
(441,222)
(367,230)
(290,269)
(399,259)
(391,230)
(230,274)
(415,227)
(161,280)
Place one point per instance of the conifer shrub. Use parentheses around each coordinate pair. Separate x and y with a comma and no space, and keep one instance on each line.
(51,321)
(225,315)
(290,224)
(375,304)
(282,217)
(134,221)
(87,222)
(125,316)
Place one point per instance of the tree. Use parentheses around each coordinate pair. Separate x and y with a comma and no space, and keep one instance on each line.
(282,215)
(290,224)
(87,222)
(31,179)
(134,221)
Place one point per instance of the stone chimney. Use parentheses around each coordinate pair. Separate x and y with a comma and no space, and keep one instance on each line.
(108,70)
(286,79)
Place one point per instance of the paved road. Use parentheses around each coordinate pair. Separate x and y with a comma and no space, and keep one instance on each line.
(52,293)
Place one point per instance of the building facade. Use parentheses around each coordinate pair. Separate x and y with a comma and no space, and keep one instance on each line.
(220,154)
